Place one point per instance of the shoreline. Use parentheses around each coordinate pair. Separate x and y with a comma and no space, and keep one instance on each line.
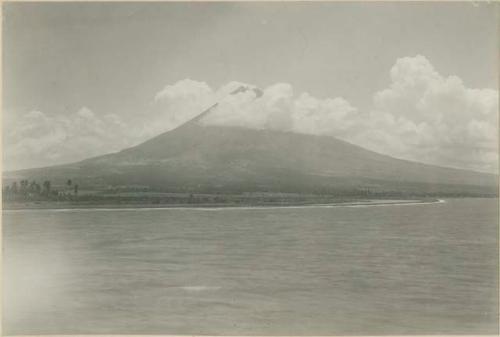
(220,206)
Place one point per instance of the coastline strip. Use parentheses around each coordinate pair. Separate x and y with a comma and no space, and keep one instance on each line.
(230,208)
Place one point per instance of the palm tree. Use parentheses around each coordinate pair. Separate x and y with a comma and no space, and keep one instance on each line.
(14,187)
(46,187)
(69,182)
(24,185)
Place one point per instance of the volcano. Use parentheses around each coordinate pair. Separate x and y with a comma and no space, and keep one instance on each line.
(202,158)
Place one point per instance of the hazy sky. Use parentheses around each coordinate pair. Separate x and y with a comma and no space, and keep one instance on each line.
(76,74)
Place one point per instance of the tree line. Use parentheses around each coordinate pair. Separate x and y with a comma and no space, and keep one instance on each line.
(26,190)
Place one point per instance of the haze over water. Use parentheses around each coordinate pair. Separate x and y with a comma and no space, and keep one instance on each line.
(412,269)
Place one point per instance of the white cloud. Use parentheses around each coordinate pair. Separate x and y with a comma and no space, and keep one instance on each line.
(324,116)
(425,116)
(278,108)
(271,110)
(177,103)
(422,116)
(40,139)
(186,89)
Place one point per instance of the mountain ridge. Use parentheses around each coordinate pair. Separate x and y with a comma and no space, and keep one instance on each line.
(199,157)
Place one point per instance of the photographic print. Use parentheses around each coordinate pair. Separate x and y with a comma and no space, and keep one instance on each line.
(250,168)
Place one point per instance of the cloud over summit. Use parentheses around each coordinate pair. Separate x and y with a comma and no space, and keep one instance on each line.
(421,115)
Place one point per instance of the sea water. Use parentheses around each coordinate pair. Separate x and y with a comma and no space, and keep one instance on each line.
(396,269)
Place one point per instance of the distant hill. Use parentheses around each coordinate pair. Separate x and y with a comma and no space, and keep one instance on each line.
(199,158)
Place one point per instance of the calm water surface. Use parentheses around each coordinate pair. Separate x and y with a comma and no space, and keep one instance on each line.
(413,269)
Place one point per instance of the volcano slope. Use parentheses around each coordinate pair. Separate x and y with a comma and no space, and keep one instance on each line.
(219,159)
